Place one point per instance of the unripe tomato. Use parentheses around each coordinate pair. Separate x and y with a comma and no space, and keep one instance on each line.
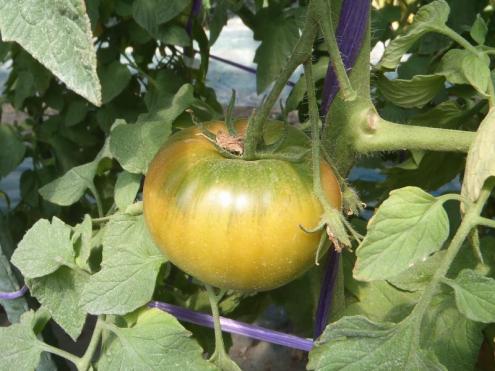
(231,223)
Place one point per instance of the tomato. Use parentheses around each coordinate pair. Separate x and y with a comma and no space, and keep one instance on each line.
(231,223)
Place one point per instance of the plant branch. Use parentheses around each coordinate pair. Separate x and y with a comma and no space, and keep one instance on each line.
(302,51)
(220,356)
(377,134)
(468,223)
(490,223)
(60,352)
(447,31)
(85,362)
(322,12)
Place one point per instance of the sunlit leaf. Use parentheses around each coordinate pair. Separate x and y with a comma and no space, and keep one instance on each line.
(60,292)
(70,187)
(406,229)
(126,189)
(19,345)
(356,343)
(44,248)
(58,35)
(474,295)
(428,18)
(480,163)
(155,342)
(131,262)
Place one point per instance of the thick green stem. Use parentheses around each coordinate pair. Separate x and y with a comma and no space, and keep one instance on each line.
(377,134)
(321,10)
(220,356)
(302,52)
(468,223)
(85,362)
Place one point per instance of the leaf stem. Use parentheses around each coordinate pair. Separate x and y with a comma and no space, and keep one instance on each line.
(59,352)
(490,223)
(323,15)
(220,356)
(301,52)
(85,362)
(449,32)
(96,195)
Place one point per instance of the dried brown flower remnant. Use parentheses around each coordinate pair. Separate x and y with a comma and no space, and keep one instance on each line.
(232,143)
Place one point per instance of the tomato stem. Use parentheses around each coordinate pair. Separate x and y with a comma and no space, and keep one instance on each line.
(469,222)
(220,356)
(323,14)
(85,362)
(301,52)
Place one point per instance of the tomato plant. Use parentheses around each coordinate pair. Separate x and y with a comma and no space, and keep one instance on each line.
(354,224)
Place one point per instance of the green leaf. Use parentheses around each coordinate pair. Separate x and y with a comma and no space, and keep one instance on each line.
(151,13)
(131,262)
(126,189)
(82,240)
(76,112)
(356,343)
(474,295)
(11,149)
(135,145)
(479,30)
(278,33)
(60,293)
(409,226)
(58,35)
(19,346)
(71,186)
(217,19)
(419,275)
(114,79)
(411,93)
(464,67)
(480,164)
(444,115)
(173,35)
(157,341)
(429,18)
(380,301)
(44,248)
(455,339)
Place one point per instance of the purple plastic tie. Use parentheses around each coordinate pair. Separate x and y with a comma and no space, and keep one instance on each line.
(14,294)
(235,327)
(326,292)
(352,26)
(196,8)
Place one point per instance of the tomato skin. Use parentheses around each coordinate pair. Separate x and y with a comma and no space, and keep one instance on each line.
(234,224)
